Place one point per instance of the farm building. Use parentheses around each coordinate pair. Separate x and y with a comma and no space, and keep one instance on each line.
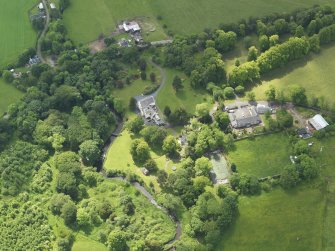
(318,122)
(131,26)
(149,111)
(244,117)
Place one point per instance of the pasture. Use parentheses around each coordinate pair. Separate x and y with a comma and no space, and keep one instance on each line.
(277,221)
(316,74)
(16,31)
(86,19)
(8,95)
(262,156)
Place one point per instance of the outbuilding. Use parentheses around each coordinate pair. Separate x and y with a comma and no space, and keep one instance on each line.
(318,122)
(52,6)
(41,6)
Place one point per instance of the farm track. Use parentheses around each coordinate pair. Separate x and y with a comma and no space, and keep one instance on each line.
(42,34)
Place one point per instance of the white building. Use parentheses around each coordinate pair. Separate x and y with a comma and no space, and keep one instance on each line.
(41,6)
(318,122)
(131,26)
(52,6)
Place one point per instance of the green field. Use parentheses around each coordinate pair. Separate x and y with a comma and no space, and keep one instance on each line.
(262,156)
(316,75)
(299,219)
(8,95)
(16,31)
(86,19)
(278,221)
(187,98)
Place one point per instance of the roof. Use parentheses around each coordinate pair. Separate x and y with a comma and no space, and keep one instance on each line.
(40,6)
(262,108)
(318,122)
(131,26)
(52,6)
(146,102)
(244,117)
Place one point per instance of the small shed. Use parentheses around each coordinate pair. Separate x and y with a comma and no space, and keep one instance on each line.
(145,171)
(52,6)
(318,122)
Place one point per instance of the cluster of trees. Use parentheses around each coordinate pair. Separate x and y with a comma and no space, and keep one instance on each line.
(24,224)
(304,168)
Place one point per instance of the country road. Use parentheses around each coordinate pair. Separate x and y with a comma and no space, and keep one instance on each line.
(44,31)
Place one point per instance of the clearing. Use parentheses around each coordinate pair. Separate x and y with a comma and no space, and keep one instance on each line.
(187,97)
(316,75)
(87,19)
(16,31)
(262,156)
(8,95)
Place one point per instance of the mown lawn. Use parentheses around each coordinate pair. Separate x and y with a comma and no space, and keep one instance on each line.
(187,98)
(8,95)
(86,19)
(316,74)
(262,156)
(16,31)
(278,221)
(83,243)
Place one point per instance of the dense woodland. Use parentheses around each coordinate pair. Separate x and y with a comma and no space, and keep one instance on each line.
(51,141)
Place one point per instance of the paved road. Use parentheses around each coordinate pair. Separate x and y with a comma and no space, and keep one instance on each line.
(42,34)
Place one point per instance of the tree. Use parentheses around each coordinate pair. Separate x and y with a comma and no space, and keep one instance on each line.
(264,43)
(225,41)
(229,93)
(117,241)
(251,96)
(135,124)
(57,202)
(171,146)
(177,83)
(203,166)
(67,184)
(200,182)
(8,76)
(299,31)
(83,218)
(222,119)
(298,95)
(167,111)
(252,54)
(140,151)
(154,135)
(150,165)
(202,112)
(285,119)
(69,213)
(143,75)
(239,90)
(274,40)
(289,177)
(63,4)
(90,152)
(271,93)
(301,147)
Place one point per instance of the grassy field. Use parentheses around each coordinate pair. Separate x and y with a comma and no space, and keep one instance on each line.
(119,158)
(300,219)
(84,243)
(262,156)
(8,95)
(278,221)
(86,19)
(316,75)
(187,98)
(16,31)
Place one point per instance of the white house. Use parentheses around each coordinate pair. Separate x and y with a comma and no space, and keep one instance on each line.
(131,26)
(318,122)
